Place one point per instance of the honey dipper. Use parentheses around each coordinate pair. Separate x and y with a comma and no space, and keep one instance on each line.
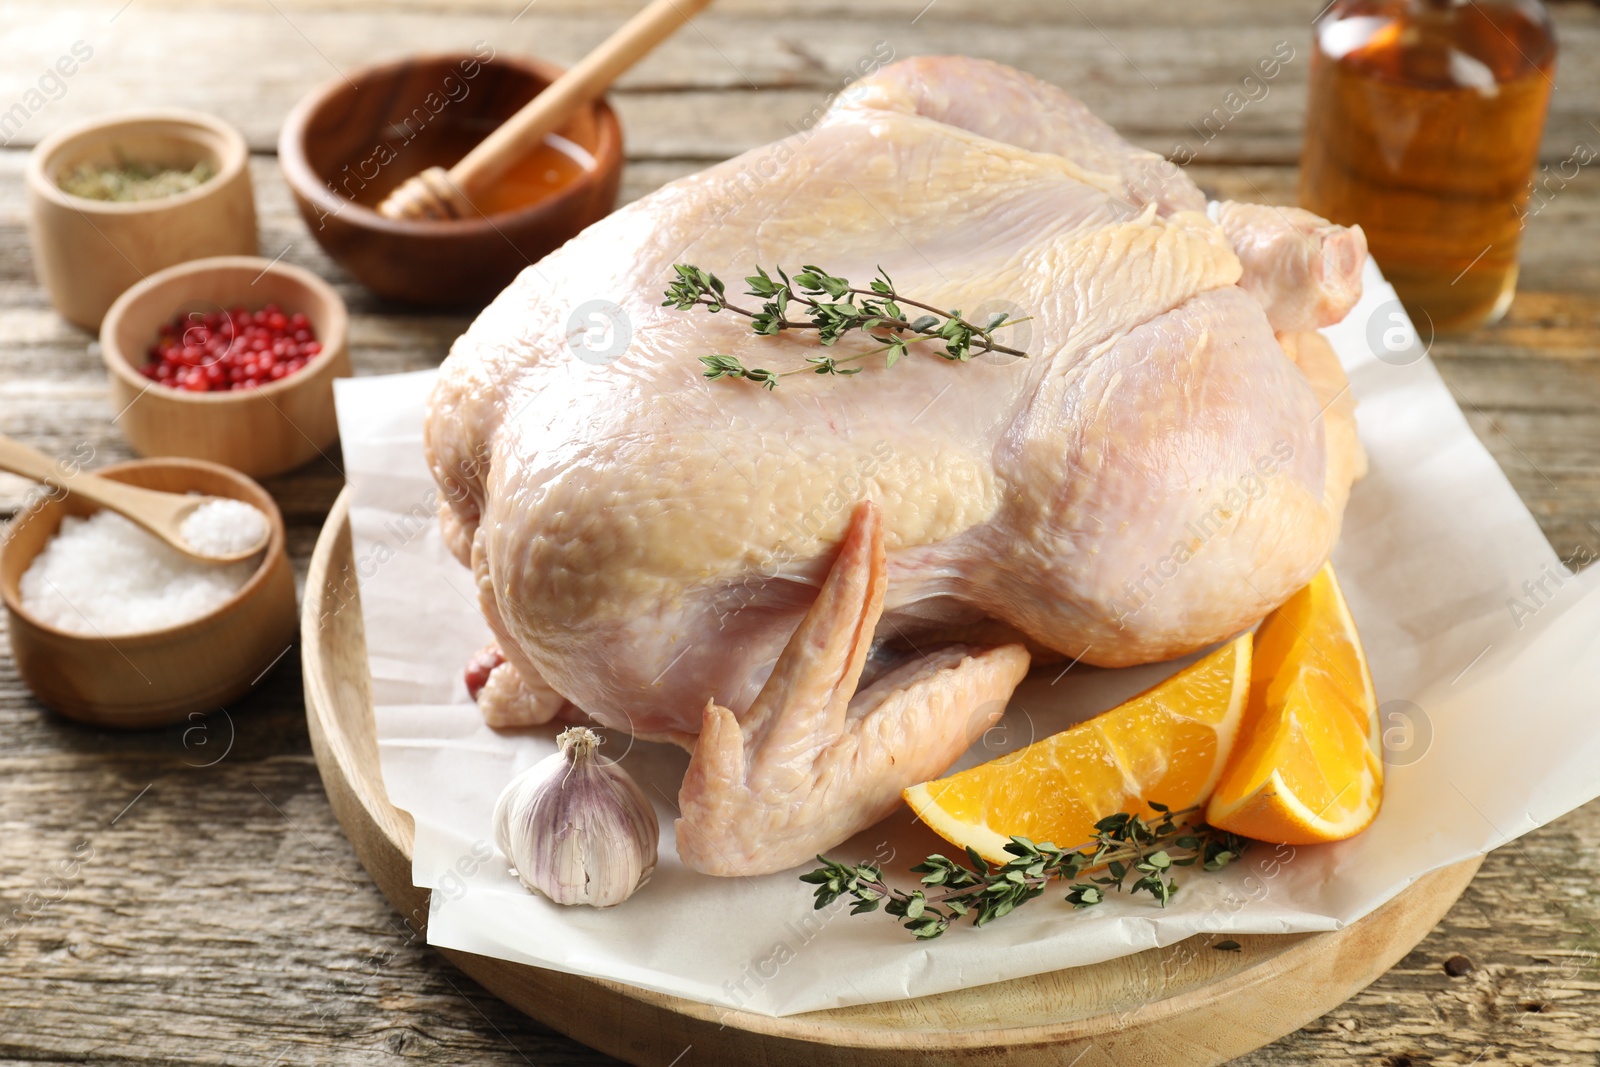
(437,193)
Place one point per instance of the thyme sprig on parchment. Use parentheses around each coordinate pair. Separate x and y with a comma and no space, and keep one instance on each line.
(833,308)
(1127,846)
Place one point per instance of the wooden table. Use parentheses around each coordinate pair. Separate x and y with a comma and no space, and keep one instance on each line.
(213,911)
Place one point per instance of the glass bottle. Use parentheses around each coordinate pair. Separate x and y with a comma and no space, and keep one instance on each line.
(1423,126)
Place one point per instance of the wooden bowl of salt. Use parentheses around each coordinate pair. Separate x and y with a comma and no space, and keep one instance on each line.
(83,651)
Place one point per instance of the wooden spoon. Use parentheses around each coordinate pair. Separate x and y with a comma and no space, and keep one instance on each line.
(160,513)
(440,194)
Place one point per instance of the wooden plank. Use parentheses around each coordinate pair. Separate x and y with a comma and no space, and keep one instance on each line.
(736,79)
(220,919)
(224,920)
(1557,250)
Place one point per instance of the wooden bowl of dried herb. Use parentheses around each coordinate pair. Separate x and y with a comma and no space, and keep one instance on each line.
(118,198)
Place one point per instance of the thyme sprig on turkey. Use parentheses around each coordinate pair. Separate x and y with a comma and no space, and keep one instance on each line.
(834,308)
(1147,851)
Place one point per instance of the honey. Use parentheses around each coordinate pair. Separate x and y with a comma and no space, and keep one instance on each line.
(535,176)
(1423,127)
(552,165)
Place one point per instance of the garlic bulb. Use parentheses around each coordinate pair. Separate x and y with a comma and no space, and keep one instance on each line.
(576,828)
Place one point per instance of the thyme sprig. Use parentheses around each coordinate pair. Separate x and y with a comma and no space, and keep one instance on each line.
(1126,846)
(833,308)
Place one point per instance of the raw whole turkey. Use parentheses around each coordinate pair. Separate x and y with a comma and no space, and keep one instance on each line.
(827,591)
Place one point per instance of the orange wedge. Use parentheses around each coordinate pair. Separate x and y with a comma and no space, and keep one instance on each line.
(1308,767)
(1167,745)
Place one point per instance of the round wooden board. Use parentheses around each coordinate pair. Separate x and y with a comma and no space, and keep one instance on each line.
(1137,1010)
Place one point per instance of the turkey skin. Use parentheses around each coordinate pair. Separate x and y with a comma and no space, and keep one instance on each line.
(828,590)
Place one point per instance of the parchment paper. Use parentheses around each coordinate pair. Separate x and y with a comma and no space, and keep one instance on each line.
(1488,709)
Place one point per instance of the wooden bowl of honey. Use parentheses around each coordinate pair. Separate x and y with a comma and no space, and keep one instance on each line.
(348,144)
(147,676)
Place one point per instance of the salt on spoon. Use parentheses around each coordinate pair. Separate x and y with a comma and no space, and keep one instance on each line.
(206,528)
(221,527)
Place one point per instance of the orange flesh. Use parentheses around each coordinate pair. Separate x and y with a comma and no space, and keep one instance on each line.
(1166,745)
(1308,768)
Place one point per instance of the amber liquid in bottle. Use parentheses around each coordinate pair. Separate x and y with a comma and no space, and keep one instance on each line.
(1423,126)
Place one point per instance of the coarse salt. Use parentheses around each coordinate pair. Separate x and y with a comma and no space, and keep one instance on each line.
(104,576)
(222,527)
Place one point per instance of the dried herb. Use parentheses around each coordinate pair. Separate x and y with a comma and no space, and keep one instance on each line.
(126,181)
(1136,854)
(834,308)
